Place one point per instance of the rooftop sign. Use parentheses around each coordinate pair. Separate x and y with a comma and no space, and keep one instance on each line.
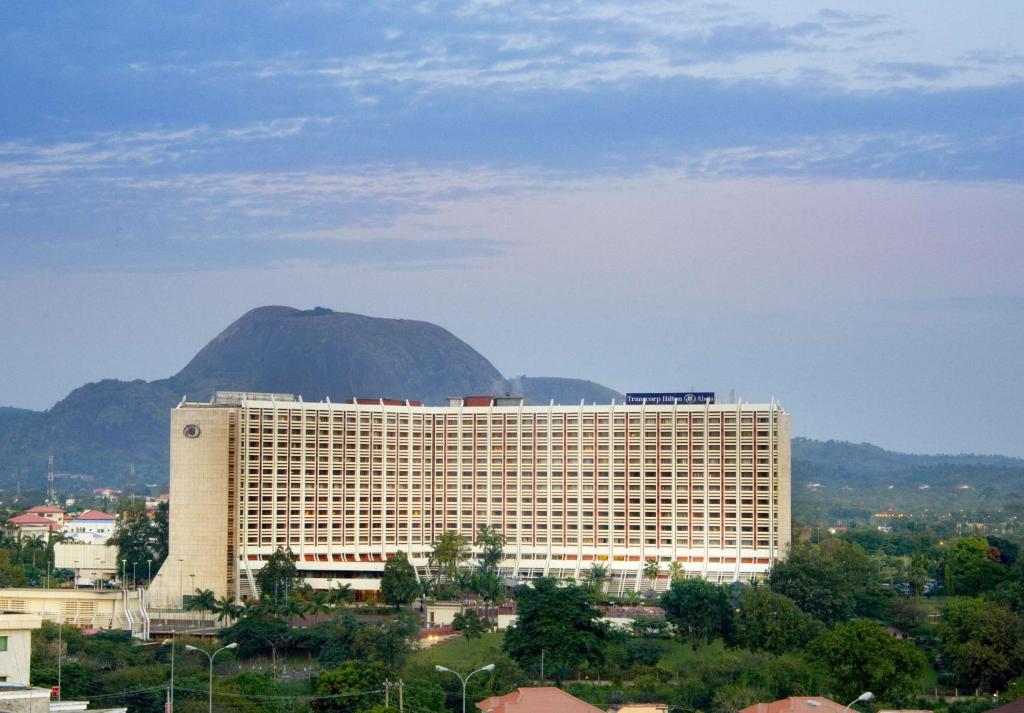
(686,398)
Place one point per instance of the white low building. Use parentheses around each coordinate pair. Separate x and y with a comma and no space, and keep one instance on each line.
(92,527)
(92,563)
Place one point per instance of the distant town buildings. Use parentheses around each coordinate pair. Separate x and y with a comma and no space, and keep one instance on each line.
(344,486)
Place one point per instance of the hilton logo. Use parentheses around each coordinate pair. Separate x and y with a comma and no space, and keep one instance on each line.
(191,431)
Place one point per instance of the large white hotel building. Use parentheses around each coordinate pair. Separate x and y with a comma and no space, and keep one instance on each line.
(345,485)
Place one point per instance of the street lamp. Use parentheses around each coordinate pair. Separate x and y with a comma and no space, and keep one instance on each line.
(866,696)
(170,691)
(442,669)
(190,647)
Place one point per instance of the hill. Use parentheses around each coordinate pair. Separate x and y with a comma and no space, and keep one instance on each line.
(838,480)
(102,427)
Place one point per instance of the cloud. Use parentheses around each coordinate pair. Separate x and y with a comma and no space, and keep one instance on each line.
(917,70)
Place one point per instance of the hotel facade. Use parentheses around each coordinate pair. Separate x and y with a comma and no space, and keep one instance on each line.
(346,485)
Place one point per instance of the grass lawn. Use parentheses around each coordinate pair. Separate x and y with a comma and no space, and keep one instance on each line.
(681,654)
(460,652)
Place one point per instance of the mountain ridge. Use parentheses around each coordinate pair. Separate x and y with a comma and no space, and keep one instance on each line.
(106,427)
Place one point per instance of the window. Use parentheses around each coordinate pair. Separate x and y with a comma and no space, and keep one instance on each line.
(3,643)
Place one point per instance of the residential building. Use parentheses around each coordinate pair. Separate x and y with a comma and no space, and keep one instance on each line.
(797,704)
(536,699)
(32,525)
(50,512)
(16,646)
(92,527)
(344,486)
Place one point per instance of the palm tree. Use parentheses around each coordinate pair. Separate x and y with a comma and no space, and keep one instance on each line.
(226,610)
(652,569)
(596,576)
(319,602)
(204,600)
(342,594)
(675,571)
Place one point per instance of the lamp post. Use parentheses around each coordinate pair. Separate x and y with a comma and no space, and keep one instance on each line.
(181,594)
(124,574)
(190,647)
(170,690)
(149,575)
(442,669)
(192,589)
(866,696)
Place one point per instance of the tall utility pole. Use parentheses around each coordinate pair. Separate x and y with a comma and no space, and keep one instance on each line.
(51,497)
(131,481)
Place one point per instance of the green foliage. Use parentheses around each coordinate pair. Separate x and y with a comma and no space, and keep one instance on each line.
(982,642)
(279,576)
(974,567)
(203,600)
(451,551)
(560,621)
(698,609)
(596,576)
(491,544)
(769,621)
(349,683)
(831,581)
(140,539)
(469,623)
(1010,592)
(259,631)
(398,584)
(862,656)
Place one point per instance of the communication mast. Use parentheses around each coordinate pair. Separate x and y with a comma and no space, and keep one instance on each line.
(51,497)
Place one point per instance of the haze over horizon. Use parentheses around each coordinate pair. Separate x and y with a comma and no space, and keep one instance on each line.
(800,200)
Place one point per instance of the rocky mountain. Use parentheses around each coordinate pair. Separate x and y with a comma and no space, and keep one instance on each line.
(102,427)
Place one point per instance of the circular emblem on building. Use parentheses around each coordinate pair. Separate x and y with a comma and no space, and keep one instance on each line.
(689,399)
(191,431)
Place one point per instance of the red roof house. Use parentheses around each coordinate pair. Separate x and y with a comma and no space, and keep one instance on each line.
(536,699)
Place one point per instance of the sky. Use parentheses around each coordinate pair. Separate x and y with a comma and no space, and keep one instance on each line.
(818,202)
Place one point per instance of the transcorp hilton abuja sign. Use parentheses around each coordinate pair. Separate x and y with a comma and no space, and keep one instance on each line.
(685,398)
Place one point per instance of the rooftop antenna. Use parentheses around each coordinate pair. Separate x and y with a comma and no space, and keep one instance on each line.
(50,495)
(732,396)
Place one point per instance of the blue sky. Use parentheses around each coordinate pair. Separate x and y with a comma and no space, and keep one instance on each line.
(820,202)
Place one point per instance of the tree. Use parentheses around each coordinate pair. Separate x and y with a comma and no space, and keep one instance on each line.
(675,570)
(398,585)
(279,575)
(469,623)
(491,544)
(226,610)
(203,600)
(652,569)
(319,602)
(861,655)
(982,642)
(256,632)
(699,610)
(973,567)
(772,622)
(139,539)
(596,576)
(352,677)
(562,622)
(814,583)
(451,550)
